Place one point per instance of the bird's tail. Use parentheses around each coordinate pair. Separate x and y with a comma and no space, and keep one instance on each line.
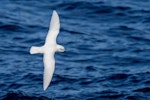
(35,50)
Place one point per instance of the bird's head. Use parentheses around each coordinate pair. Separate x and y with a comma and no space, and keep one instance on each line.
(60,48)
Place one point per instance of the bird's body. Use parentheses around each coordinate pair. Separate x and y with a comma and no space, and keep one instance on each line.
(48,50)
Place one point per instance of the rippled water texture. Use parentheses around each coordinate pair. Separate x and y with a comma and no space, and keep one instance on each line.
(107,50)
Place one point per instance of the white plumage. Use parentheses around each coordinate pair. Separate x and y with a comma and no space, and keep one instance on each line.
(48,50)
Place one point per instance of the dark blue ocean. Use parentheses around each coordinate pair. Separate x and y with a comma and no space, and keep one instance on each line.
(107,53)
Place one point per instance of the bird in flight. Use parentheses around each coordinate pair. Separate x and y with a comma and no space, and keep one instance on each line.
(48,49)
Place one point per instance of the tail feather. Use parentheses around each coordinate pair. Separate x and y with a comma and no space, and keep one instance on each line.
(35,50)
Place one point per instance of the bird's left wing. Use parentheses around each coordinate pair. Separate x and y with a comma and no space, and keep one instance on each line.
(53,29)
(49,66)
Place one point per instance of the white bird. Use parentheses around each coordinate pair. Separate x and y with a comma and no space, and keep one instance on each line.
(48,50)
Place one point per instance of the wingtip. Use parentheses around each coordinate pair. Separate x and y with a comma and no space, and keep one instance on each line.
(44,89)
(54,23)
(54,12)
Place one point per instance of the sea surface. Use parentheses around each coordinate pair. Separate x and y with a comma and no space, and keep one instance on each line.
(107,53)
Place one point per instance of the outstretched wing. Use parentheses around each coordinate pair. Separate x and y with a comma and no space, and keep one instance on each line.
(53,29)
(49,66)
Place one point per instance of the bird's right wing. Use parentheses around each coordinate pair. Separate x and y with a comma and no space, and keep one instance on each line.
(49,66)
(53,29)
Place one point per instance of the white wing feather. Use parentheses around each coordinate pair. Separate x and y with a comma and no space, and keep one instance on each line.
(53,29)
(49,66)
